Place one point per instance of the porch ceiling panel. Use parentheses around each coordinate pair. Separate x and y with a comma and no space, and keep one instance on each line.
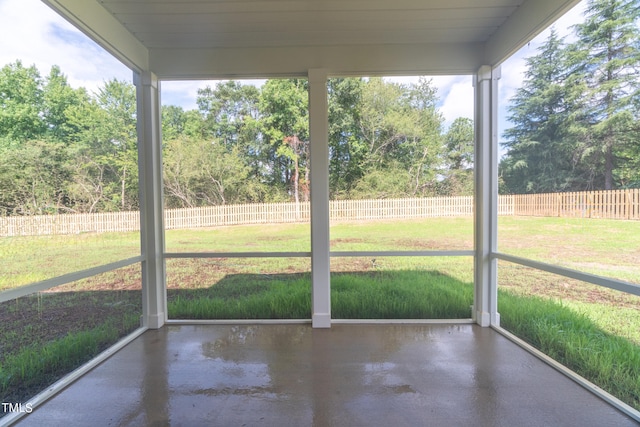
(201,38)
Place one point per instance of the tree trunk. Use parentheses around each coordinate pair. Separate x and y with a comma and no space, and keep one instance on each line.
(608,167)
(122,191)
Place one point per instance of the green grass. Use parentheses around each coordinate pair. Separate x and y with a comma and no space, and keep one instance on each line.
(400,295)
(615,312)
(29,259)
(604,247)
(375,295)
(48,334)
(245,297)
(35,366)
(573,339)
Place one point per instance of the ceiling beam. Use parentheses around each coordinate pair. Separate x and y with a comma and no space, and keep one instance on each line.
(529,20)
(362,60)
(99,25)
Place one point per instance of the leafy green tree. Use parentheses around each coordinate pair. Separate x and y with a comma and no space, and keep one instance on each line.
(458,158)
(20,103)
(57,97)
(424,140)
(607,58)
(383,183)
(35,164)
(285,128)
(229,110)
(104,145)
(118,100)
(401,128)
(173,122)
(199,172)
(33,177)
(346,146)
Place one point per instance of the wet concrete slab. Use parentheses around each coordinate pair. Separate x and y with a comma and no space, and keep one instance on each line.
(349,375)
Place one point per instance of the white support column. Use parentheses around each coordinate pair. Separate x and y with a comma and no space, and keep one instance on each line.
(485,310)
(151,202)
(319,152)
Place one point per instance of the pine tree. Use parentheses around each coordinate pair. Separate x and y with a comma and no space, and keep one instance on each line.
(607,58)
(540,149)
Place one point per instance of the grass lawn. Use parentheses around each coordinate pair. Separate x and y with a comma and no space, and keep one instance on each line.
(29,259)
(536,306)
(46,335)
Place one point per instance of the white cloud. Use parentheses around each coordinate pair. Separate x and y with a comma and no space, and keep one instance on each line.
(182,93)
(456,93)
(33,33)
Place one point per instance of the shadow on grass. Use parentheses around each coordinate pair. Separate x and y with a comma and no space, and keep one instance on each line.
(389,294)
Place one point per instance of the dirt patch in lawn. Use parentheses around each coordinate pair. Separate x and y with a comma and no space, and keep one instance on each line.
(38,319)
(438,245)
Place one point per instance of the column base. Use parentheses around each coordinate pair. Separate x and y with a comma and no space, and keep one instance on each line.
(321,320)
(483,318)
(155,321)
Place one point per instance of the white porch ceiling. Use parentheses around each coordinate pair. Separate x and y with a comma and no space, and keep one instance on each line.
(262,38)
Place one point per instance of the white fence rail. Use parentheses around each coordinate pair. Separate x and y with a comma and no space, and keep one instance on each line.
(623,204)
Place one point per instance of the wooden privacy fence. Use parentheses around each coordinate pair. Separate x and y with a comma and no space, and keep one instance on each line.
(620,204)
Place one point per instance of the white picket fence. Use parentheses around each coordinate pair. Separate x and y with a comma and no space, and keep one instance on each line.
(622,204)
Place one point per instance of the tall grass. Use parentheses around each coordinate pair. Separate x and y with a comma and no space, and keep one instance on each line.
(573,339)
(37,365)
(407,294)
(245,297)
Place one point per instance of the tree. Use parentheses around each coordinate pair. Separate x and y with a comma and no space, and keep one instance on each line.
(228,111)
(401,131)
(104,144)
(458,158)
(346,146)
(424,140)
(35,164)
(173,122)
(20,103)
(33,178)
(57,97)
(285,119)
(607,58)
(198,172)
(540,145)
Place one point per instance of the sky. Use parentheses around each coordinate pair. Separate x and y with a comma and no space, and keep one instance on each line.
(31,32)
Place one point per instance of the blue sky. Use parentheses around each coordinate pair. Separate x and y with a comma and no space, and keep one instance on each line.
(36,35)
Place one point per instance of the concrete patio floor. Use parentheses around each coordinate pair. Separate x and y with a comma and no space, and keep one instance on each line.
(349,375)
